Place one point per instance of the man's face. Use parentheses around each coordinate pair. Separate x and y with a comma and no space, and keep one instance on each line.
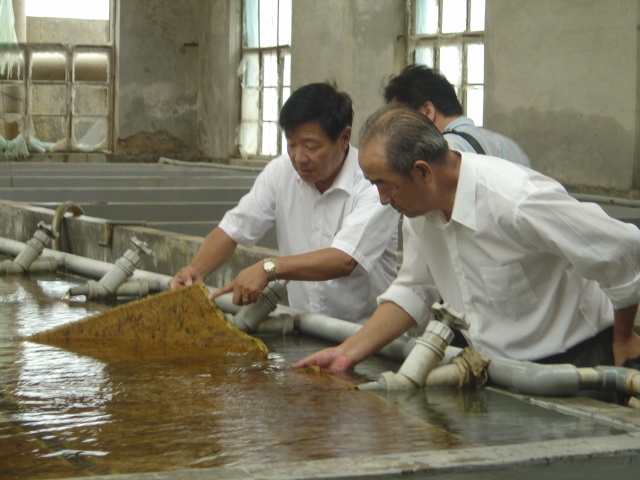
(314,156)
(409,196)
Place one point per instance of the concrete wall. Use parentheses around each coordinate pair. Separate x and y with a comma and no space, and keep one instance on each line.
(357,43)
(156,99)
(562,79)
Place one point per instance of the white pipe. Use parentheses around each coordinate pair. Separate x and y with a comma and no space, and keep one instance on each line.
(250,316)
(427,352)
(526,377)
(85,266)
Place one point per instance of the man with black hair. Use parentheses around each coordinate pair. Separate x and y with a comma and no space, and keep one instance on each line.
(337,242)
(428,91)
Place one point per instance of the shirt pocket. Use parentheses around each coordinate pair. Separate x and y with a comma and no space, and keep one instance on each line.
(509,290)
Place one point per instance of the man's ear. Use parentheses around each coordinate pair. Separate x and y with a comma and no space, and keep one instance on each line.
(428,109)
(423,170)
(345,135)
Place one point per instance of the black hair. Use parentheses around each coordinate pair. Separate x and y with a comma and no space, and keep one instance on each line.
(418,84)
(321,102)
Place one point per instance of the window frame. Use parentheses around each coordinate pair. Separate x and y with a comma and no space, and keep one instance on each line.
(438,40)
(281,52)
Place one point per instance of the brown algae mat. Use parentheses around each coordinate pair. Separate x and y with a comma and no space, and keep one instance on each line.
(177,322)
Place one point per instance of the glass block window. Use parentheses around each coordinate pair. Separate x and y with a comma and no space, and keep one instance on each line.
(449,35)
(265,73)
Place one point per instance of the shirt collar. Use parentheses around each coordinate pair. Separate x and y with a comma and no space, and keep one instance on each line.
(459,122)
(464,204)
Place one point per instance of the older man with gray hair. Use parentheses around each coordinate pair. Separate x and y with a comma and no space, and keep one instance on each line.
(538,275)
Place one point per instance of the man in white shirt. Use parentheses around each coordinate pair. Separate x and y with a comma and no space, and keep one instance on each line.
(429,92)
(536,273)
(338,244)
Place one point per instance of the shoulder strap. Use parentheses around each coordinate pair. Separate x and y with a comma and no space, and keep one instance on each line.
(469,138)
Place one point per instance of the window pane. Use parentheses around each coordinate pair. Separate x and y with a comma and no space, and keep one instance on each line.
(268,23)
(286,93)
(49,129)
(477,15)
(91,67)
(49,66)
(89,100)
(451,65)
(251,73)
(12,67)
(248,140)
(475,63)
(426,20)
(90,133)
(49,99)
(269,139)
(454,16)
(475,104)
(250,23)
(284,36)
(424,56)
(250,102)
(270,70)
(270,104)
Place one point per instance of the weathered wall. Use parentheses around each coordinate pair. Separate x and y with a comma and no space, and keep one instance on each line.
(218,104)
(357,43)
(67,30)
(561,79)
(156,98)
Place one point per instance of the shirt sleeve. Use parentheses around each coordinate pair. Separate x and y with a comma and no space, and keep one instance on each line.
(414,289)
(601,248)
(256,211)
(368,230)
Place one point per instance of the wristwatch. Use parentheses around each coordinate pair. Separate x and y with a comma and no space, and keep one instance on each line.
(270,269)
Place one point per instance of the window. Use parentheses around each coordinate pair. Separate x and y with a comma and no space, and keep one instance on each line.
(58,94)
(448,35)
(265,74)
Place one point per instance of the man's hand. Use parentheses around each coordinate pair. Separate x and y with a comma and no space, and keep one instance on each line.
(246,287)
(626,349)
(186,276)
(334,359)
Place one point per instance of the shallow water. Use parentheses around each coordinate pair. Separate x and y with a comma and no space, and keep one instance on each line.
(65,414)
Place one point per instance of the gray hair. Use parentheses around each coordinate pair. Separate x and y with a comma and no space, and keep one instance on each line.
(407,136)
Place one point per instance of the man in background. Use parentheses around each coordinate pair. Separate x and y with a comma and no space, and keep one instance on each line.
(428,91)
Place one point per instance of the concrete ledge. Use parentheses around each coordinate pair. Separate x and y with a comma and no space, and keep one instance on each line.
(82,236)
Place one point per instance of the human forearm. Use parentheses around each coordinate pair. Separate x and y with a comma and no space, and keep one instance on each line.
(387,323)
(626,344)
(320,265)
(214,251)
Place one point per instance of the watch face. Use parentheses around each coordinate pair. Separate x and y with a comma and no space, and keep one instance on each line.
(269,266)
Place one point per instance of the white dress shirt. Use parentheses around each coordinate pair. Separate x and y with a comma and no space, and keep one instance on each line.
(348,216)
(492,143)
(534,271)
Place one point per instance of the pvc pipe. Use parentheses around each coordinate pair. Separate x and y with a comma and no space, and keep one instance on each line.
(427,352)
(250,316)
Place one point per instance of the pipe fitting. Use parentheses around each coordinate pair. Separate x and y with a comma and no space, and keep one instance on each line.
(427,352)
(250,316)
(117,275)
(35,246)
